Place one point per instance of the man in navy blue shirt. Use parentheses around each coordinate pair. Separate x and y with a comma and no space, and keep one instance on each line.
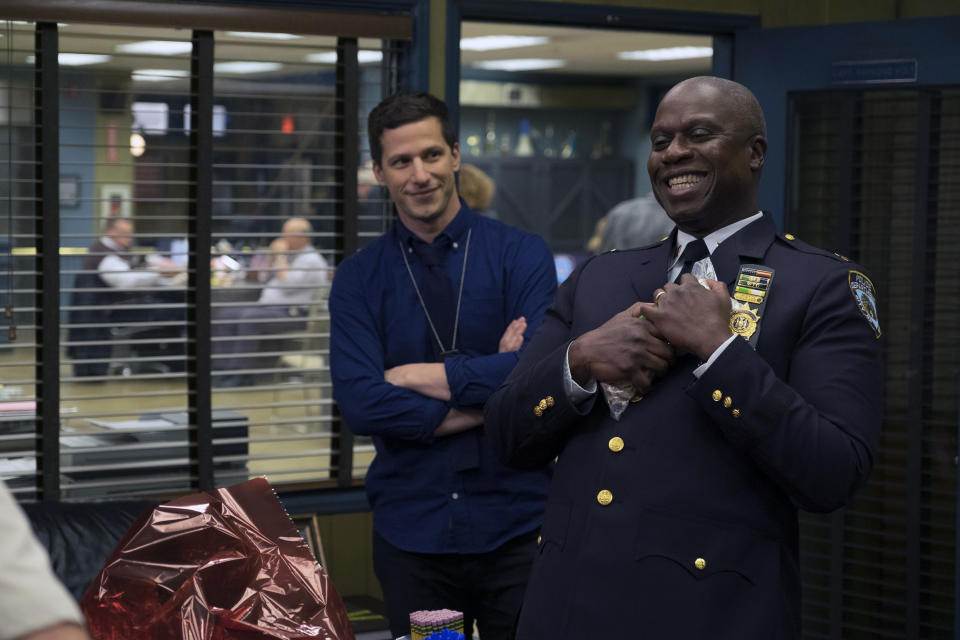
(426,323)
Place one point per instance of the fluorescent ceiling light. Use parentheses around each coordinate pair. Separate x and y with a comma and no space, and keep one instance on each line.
(156,47)
(76,59)
(489,43)
(669,53)
(364,56)
(263,35)
(246,67)
(158,75)
(520,64)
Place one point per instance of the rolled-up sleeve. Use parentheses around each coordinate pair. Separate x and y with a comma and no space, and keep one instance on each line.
(529,288)
(369,404)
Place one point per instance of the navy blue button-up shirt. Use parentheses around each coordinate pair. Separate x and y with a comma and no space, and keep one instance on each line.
(449,494)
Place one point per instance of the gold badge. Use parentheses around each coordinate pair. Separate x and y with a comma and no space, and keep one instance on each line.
(743,322)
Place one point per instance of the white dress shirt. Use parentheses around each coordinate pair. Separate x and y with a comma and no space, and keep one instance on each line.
(307,273)
(119,274)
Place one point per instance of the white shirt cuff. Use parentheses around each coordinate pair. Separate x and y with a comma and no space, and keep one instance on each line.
(575,393)
(699,371)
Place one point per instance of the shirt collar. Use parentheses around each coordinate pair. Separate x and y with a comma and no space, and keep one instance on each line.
(456,229)
(713,239)
(111,244)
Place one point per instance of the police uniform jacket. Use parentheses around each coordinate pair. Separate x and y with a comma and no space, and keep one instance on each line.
(680,519)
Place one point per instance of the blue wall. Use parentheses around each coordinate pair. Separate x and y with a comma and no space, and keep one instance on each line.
(773,62)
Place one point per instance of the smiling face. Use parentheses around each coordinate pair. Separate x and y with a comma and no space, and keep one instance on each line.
(707,152)
(417,167)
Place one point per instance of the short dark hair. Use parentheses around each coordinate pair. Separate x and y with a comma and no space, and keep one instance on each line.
(403,108)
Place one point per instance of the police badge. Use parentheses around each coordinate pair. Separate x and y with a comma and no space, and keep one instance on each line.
(866,297)
(752,286)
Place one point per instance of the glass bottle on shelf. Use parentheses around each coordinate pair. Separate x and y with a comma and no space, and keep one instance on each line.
(490,135)
(602,148)
(569,149)
(505,149)
(549,143)
(524,145)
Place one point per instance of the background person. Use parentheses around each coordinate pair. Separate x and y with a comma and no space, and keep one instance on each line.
(677,518)
(111,288)
(477,190)
(631,223)
(298,272)
(425,324)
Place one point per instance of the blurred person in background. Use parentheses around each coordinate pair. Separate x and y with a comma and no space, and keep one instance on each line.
(632,223)
(115,290)
(297,272)
(477,190)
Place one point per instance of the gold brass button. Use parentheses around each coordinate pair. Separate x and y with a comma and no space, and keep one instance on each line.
(727,402)
(539,539)
(636,398)
(716,395)
(604,497)
(543,404)
(700,564)
(537,411)
(789,236)
(615,444)
(550,401)
(664,238)
(735,413)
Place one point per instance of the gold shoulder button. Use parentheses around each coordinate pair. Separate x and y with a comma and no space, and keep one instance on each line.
(727,402)
(789,236)
(664,238)
(550,401)
(537,411)
(616,444)
(604,497)
(716,395)
(539,540)
(700,564)
(735,413)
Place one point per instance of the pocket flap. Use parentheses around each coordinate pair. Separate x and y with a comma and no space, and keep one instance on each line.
(707,549)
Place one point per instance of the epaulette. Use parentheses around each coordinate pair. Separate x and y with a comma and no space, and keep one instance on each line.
(793,241)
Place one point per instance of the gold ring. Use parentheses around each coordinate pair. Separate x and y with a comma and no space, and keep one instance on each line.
(657,296)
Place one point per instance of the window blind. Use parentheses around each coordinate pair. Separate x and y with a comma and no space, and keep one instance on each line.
(205,159)
(875,177)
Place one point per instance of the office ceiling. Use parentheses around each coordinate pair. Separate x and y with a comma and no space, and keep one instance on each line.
(581,51)
(589,51)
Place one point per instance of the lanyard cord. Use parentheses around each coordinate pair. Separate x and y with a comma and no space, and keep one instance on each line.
(456,318)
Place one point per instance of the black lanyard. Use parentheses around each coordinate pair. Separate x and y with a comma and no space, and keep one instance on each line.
(456,319)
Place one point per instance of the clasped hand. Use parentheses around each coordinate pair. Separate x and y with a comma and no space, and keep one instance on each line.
(640,344)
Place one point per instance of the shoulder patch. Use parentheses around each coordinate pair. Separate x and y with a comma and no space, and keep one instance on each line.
(866,297)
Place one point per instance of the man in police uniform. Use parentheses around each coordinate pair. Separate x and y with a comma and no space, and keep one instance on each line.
(752,362)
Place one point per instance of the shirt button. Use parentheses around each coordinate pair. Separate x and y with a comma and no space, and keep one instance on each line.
(604,497)
(616,444)
(455,495)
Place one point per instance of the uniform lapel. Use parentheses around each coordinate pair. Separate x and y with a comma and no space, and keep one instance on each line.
(747,245)
(650,270)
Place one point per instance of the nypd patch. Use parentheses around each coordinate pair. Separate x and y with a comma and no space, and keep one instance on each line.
(866,297)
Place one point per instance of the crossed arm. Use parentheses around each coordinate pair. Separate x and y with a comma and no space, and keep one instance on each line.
(430,379)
